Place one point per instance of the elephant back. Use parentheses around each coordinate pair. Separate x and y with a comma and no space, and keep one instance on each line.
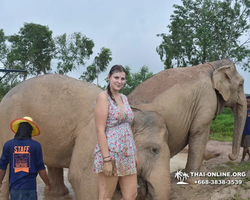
(57,103)
(148,90)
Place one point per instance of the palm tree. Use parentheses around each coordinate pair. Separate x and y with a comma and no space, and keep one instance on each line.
(181,177)
(178,174)
(185,176)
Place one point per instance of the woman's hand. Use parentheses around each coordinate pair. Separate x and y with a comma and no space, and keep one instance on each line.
(107,168)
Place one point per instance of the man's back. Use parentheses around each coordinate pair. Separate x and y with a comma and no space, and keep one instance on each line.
(25,160)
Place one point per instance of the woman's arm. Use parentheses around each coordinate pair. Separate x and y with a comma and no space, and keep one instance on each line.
(101,115)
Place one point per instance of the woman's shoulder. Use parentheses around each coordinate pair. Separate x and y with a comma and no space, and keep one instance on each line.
(124,97)
(102,96)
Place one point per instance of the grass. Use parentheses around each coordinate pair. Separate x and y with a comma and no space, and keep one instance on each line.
(237,197)
(222,127)
(235,167)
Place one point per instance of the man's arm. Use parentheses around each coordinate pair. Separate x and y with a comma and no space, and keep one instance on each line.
(44,177)
(2,174)
(4,161)
(41,168)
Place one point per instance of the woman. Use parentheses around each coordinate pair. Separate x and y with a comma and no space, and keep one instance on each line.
(115,153)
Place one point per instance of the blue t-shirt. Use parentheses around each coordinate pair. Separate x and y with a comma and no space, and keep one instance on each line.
(25,159)
(247,125)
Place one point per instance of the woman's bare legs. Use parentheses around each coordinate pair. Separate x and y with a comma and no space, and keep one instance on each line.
(128,185)
(107,186)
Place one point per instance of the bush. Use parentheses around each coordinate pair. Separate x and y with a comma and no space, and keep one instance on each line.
(222,127)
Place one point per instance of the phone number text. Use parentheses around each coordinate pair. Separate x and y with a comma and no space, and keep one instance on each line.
(219,182)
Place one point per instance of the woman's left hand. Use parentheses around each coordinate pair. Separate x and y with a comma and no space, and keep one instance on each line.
(107,168)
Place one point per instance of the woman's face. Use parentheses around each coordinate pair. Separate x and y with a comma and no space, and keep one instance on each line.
(117,80)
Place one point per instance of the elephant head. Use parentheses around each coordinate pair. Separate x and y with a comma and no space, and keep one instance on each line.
(229,86)
(150,136)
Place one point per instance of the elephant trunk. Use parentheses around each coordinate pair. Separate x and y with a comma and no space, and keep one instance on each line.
(160,189)
(159,182)
(240,111)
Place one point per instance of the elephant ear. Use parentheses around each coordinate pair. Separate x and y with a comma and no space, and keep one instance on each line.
(135,111)
(141,117)
(222,80)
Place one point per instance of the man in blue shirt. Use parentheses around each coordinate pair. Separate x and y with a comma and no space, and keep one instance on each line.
(25,160)
(245,142)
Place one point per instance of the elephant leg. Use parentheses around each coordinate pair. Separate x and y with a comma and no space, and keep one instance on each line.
(197,144)
(58,188)
(81,175)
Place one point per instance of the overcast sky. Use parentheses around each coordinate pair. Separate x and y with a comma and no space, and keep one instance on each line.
(128,28)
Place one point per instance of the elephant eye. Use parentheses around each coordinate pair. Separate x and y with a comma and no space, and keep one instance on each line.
(154,150)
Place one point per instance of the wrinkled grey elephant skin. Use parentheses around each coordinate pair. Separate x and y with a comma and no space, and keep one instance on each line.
(63,108)
(188,99)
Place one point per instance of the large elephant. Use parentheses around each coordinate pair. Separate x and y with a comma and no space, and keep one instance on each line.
(63,109)
(188,99)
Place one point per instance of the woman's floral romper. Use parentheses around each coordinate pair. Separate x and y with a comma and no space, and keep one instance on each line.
(120,140)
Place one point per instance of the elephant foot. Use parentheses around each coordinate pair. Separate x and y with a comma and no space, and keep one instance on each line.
(57,191)
(51,197)
(58,194)
(193,180)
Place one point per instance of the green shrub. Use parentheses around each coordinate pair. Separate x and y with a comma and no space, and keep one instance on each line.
(227,111)
(222,127)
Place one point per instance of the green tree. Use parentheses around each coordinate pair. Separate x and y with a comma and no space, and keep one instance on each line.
(72,51)
(207,30)
(99,65)
(31,49)
(3,47)
(7,80)
(10,81)
(134,79)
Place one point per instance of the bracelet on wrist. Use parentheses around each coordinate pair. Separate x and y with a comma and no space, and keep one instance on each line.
(106,157)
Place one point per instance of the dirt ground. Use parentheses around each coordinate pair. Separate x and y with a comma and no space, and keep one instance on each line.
(213,192)
(195,191)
